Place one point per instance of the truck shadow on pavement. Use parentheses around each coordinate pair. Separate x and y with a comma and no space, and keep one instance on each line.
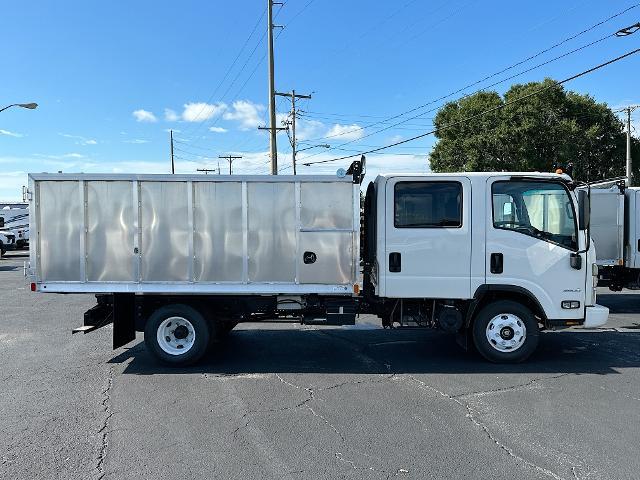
(620,302)
(377,351)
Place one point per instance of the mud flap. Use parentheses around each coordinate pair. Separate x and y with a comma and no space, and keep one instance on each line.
(124,313)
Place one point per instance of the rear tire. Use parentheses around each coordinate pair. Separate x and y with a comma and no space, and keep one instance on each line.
(505,332)
(177,335)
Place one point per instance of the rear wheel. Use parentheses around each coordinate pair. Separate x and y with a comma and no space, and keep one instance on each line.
(177,334)
(505,332)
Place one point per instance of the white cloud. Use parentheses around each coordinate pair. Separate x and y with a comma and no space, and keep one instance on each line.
(58,157)
(136,141)
(171,130)
(249,114)
(218,130)
(10,134)
(306,129)
(144,116)
(80,140)
(170,115)
(200,111)
(346,132)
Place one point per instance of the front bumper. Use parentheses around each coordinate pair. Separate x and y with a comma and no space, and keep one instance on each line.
(595,316)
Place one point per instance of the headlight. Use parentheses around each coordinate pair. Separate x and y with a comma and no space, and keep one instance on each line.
(594,269)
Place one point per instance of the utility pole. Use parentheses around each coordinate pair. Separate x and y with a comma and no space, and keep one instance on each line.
(207,170)
(629,109)
(173,167)
(293,97)
(272,90)
(230,159)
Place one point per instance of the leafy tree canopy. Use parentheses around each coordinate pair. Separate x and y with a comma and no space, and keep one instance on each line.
(532,134)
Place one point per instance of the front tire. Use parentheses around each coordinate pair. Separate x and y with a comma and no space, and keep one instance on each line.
(505,332)
(177,335)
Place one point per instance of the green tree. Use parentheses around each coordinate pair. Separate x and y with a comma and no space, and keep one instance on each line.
(533,133)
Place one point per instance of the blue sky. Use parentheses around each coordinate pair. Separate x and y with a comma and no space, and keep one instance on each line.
(112,77)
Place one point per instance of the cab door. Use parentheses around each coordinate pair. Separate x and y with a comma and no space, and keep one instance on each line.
(427,237)
(531,235)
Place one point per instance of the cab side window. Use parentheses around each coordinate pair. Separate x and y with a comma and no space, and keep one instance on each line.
(428,205)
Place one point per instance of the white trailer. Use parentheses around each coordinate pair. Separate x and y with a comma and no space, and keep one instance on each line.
(491,257)
(615,227)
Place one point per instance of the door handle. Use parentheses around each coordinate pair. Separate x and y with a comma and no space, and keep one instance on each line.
(395,262)
(497,263)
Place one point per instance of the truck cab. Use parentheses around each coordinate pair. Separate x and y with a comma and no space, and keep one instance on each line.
(451,246)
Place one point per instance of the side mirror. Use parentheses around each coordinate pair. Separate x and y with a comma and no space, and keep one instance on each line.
(584,210)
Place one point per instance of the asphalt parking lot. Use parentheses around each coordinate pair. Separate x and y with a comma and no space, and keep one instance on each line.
(290,401)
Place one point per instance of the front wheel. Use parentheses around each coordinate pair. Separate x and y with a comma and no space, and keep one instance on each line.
(178,335)
(505,332)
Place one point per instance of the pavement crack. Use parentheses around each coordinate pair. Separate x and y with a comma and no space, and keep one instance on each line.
(510,388)
(343,440)
(470,414)
(358,382)
(103,431)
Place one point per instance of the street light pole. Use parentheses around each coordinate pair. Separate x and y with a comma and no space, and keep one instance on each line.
(30,106)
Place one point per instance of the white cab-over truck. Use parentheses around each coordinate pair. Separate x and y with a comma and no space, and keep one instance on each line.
(491,257)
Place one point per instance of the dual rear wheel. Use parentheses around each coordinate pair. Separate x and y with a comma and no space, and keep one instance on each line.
(180,335)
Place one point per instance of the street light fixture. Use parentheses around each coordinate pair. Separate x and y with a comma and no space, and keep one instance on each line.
(30,106)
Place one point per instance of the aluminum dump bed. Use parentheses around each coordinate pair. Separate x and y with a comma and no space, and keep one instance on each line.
(185,234)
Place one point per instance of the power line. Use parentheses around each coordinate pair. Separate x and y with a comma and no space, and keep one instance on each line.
(235,60)
(510,67)
(499,107)
(257,65)
(395,126)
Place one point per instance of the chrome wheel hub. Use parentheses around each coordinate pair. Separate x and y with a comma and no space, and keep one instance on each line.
(506,332)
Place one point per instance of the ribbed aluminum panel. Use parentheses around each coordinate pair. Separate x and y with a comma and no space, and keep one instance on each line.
(165,231)
(59,214)
(333,251)
(326,205)
(271,232)
(218,232)
(110,232)
(174,233)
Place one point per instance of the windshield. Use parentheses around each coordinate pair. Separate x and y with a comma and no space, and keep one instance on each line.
(539,209)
